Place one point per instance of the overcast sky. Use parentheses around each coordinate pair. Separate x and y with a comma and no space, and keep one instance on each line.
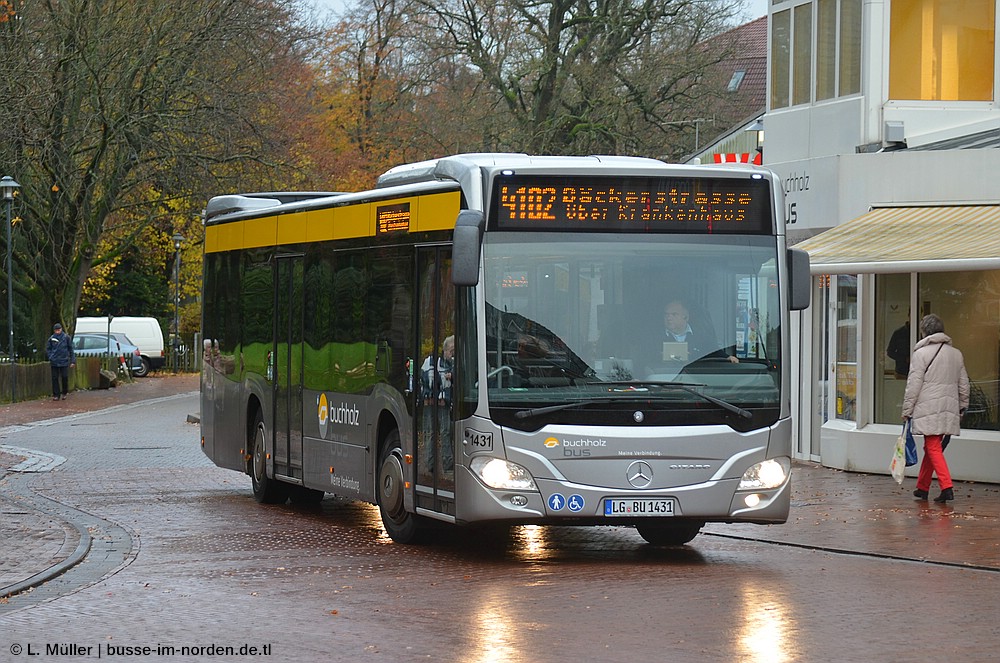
(756,8)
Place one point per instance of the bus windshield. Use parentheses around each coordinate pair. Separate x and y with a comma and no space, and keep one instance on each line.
(610,328)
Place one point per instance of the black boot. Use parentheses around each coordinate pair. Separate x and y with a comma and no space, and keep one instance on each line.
(946,494)
(920,494)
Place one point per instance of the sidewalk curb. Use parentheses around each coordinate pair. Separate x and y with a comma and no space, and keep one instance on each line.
(34,461)
(79,553)
(104,548)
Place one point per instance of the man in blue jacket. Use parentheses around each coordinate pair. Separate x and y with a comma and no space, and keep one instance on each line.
(59,351)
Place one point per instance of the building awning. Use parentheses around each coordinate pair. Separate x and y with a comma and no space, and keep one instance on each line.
(909,239)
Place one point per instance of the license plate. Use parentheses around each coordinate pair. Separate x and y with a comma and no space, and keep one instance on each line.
(638,507)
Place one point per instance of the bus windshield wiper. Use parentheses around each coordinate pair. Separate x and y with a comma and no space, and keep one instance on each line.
(632,395)
(689,387)
(535,411)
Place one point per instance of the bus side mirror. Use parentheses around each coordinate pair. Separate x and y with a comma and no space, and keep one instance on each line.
(466,244)
(799,280)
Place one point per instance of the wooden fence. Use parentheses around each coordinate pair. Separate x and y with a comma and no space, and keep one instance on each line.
(32,381)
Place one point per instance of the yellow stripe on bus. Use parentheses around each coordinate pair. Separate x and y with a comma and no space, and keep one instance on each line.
(260,232)
(434,212)
(430,212)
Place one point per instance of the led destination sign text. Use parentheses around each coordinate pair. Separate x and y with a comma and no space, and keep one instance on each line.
(700,205)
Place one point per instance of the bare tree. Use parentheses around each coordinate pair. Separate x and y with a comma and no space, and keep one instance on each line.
(379,92)
(618,76)
(130,110)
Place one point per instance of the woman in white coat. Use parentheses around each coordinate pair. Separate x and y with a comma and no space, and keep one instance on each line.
(937,394)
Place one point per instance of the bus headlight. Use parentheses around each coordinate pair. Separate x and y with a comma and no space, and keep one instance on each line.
(502,474)
(767,474)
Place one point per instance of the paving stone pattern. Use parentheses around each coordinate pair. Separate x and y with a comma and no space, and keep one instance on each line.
(182,555)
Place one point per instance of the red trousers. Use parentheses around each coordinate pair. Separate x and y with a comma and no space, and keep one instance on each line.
(933,463)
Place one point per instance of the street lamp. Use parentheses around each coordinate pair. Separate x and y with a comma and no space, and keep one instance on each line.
(7,187)
(178,238)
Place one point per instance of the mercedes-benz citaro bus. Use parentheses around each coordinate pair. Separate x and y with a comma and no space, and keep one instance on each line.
(486,338)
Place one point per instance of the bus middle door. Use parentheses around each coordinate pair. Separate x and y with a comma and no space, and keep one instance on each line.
(287,367)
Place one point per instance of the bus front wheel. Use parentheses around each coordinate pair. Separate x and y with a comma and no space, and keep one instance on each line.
(265,489)
(401,525)
(669,534)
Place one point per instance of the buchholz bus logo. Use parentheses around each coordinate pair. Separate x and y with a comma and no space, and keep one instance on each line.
(323,411)
(579,447)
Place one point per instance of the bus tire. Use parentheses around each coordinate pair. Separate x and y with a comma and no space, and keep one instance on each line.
(401,525)
(669,534)
(266,490)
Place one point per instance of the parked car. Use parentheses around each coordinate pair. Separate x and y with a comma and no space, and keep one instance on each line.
(94,344)
(145,332)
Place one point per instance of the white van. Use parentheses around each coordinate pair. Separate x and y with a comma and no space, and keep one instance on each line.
(145,333)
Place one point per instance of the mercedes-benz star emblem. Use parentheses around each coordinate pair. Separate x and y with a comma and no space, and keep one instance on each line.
(639,474)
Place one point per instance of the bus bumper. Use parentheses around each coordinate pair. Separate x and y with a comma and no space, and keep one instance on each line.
(564,503)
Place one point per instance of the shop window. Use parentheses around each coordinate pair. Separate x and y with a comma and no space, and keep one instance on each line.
(969,305)
(942,50)
(894,336)
(846,377)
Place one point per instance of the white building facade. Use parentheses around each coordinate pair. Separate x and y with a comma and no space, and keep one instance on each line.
(884,125)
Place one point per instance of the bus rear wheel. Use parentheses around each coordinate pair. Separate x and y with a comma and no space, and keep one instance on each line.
(401,525)
(265,489)
(669,534)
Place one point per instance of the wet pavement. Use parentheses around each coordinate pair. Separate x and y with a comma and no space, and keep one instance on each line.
(832,510)
(153,545)
(41,538)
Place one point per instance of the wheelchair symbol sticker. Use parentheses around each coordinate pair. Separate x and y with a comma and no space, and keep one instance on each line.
(575,503)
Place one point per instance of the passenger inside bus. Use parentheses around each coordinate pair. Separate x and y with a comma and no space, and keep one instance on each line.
(436,395)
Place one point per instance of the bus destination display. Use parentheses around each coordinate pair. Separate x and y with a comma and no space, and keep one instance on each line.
(633,204)
(392,218)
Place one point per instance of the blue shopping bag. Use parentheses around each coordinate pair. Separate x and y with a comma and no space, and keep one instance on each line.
(911,445)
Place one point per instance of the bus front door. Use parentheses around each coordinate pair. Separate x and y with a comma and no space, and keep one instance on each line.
(287,367)
(435,318)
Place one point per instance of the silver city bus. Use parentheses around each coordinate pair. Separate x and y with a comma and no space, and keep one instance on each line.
(511,339)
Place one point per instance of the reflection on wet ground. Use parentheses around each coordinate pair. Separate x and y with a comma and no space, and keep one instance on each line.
(338,524)
(326,583)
